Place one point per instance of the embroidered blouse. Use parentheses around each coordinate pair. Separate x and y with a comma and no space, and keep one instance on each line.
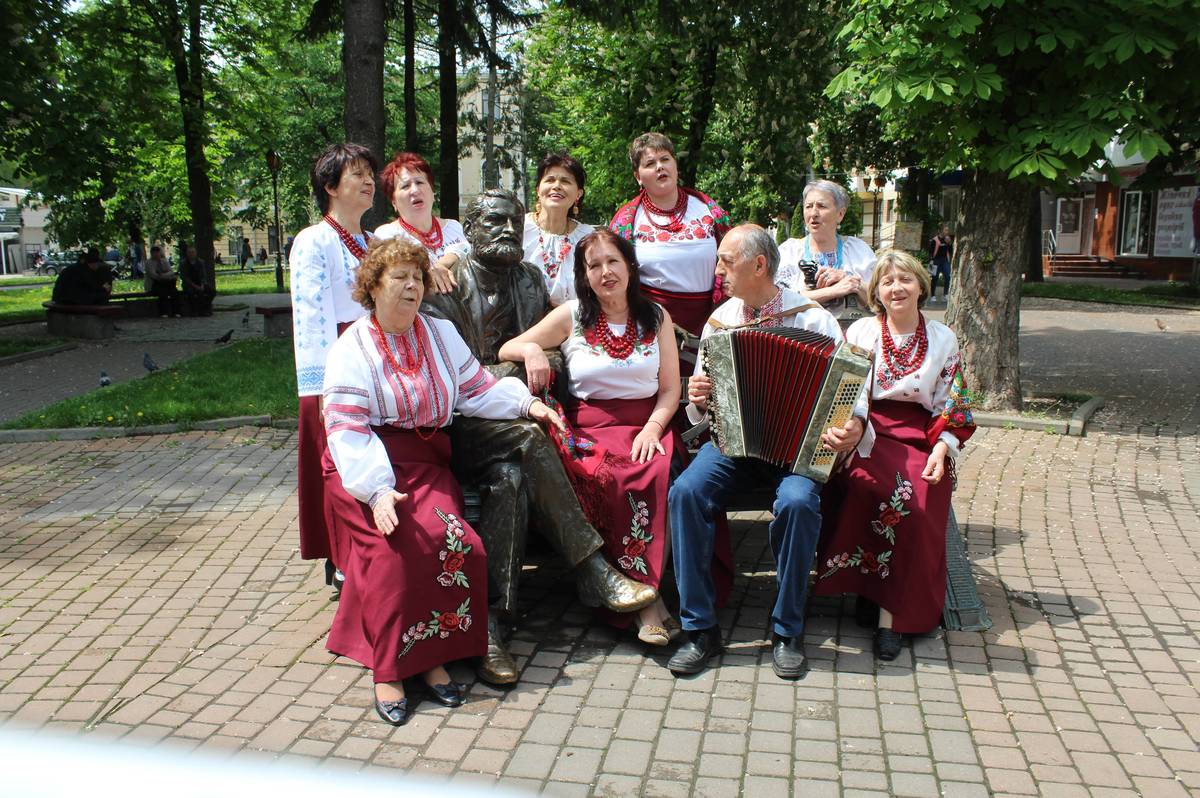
(595,375)
(684,261)
(938,385)
(323,274)
(554,256)
(453,238)
(852,255)
(362,390)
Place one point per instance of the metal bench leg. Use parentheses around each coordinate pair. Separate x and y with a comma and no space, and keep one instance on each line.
(963,612)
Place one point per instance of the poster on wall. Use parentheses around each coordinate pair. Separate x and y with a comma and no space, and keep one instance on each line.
(1174,234)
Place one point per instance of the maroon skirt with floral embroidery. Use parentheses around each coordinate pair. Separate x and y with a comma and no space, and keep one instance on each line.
(416,598)
(626,501)
(884,529)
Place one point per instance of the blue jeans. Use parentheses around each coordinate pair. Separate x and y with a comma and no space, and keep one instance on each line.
(701,492)
(940,267)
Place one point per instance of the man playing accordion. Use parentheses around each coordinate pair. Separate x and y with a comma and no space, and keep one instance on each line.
(747,261)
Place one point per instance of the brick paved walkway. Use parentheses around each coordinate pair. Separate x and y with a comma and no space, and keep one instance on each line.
(151,590)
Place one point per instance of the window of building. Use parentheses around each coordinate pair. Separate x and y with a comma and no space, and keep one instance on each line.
(1135,223)
(233,242)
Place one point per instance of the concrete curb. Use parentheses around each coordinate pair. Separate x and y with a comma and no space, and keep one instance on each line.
(1073,427)
(34,354)
(96,433)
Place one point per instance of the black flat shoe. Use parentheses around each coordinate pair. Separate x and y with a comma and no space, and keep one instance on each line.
(887,644)
(692,657)
(449,694)
(393,712)
(787,657)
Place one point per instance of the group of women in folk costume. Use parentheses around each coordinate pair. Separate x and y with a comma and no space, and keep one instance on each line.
(376,497)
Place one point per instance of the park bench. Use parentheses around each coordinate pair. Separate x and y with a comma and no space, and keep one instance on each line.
(137,304)
(93,322)
(277,321)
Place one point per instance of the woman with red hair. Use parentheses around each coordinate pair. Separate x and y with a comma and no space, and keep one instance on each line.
(408,182)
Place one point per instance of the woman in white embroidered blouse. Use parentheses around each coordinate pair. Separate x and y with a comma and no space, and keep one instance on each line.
(324,259)
(624,389)
(844,262)
(553,230)
(408,182)
(887,542)
(415,596)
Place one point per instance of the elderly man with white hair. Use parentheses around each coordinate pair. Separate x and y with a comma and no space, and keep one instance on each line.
(844,262)
(747,261)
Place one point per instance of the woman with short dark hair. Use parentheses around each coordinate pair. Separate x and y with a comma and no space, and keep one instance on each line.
(553,230)
(323,261)
(416,593)
(676,231)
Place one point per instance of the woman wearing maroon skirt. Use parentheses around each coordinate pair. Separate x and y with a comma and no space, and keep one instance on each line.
(416,594)
(323,262)
(884,535)
(624,385)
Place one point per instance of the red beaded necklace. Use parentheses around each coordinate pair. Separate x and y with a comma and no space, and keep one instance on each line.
(431,240)
(617,347)
(675,214)
(355,248)
(406,370)
(904,360)
(552,266)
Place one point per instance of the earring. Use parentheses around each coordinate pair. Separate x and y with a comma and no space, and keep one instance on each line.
(575,210)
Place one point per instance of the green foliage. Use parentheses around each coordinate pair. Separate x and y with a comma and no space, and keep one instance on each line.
(1032,90)
(1093,293)
(797,229)
(253,377)
(605,74)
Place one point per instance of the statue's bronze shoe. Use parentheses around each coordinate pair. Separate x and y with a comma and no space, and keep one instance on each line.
(497,666)
(601,584)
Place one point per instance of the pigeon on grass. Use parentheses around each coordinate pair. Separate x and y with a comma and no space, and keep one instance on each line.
(148,363)
(224,339)
(105,380)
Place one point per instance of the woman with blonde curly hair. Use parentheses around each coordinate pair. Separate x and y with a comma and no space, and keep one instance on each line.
(415,595)
(884,535)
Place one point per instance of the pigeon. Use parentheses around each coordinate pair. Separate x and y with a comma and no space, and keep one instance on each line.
(148,362)
(105,380)
(1160,324)
(224,339)
(246,319)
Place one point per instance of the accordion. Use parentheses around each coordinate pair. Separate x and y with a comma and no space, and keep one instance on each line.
(776,390)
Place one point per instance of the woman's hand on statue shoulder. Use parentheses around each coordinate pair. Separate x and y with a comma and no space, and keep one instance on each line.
(384,511)
(539,412)
(443,277)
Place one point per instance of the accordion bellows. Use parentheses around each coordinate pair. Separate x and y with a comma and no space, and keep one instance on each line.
(776,390)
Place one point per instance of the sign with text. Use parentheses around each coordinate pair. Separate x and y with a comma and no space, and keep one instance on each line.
(1173,233)
(908,236)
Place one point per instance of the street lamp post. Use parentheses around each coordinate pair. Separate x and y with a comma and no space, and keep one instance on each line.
(273,163)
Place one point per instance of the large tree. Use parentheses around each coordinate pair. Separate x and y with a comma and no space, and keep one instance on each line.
(1021,94)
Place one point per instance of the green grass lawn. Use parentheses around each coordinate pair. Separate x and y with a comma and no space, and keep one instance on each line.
(15,346)
(35,279)
(249,378)
(26,304)
(1158,295)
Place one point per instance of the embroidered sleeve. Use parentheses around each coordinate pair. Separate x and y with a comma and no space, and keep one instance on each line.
(312,314)
(479,392)
(622,221)
(952,422)
(361,459)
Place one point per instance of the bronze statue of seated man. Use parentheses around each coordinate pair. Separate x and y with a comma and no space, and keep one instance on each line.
(513,464)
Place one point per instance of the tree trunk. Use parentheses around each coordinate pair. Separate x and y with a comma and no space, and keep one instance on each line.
(448,108)
(985,298)
(410,78)
(1033,229)
(491,169)
(701,113)
(364,35)
(188,63)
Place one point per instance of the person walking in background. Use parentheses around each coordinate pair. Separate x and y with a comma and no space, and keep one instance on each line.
(246,254)
(941,246)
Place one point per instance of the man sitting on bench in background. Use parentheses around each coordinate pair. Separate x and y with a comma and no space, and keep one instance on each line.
(84,283)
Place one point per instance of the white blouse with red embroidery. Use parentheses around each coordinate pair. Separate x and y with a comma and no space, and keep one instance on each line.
(684,261)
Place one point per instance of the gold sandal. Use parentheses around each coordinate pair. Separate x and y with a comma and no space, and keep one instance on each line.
(653,635)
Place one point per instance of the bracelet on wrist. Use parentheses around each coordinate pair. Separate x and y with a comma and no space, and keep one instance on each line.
(659,423)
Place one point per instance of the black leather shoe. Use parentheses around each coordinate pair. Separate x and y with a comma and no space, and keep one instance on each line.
(335,579)
(787,657)
(393,712)
(887,644)
(866,612)
(693,655)
(449,694)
